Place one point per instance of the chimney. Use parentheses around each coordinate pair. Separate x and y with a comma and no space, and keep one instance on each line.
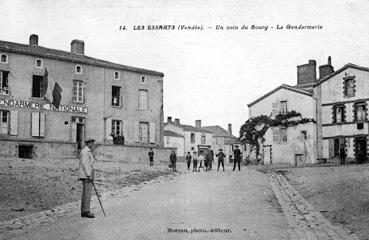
(176,121)
(326,70)
(33,40)
(230,128)
(198,123)
(306,73)
(77,47)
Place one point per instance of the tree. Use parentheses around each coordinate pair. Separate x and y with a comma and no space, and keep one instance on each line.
(253,130)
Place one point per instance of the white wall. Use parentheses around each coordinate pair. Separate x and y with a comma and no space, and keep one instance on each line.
(176,142)
(285,152)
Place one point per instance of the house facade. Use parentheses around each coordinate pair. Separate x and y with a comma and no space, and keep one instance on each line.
(195,138)
(50,100)
(174,140)
(290,145)
(223,139)
(344,96)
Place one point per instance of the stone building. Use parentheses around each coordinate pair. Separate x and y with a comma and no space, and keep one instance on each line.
(223,139)
(289,145)
(50,100)
(174,140)
(195,138)
(343,97)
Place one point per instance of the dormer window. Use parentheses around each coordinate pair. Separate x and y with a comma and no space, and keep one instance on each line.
(116,75)
(38,63)
(4,58)
(79,69)
(143,79)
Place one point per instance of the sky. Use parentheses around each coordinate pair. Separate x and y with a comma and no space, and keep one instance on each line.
(211,74)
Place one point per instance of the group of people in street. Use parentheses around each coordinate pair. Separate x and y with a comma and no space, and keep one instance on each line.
(203,160)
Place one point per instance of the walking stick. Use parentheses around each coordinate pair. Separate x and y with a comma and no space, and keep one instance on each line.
(97,195)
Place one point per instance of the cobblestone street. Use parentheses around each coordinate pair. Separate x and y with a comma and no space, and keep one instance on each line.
(205,205)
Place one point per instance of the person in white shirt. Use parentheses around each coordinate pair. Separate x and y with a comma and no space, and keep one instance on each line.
(194,160)
(86,175)
(201,159)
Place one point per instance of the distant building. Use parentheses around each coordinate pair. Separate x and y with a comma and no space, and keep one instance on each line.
(195,138)
(174,140)
(97,98)
(343,106)
(223,139)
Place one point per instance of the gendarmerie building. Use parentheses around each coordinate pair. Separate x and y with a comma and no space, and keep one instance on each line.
(50,100)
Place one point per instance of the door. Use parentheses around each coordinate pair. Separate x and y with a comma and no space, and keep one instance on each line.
(360,150)
(80,135)
(267,154)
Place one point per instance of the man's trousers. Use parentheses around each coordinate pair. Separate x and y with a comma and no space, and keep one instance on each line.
(86,195)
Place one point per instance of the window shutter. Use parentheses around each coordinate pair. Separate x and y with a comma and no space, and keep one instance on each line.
(42,124)
(275,109)
(73,134)
(136,131)
(35,122)
(125,130)
(108,127)
(275,134)
(152,132)
(13,123)
(331,147)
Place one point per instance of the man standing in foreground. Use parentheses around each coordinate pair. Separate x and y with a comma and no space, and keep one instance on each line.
(237,158)
(221,157)
(86,175)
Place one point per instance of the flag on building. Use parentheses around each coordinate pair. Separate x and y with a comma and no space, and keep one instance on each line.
(44,85)
(57,95)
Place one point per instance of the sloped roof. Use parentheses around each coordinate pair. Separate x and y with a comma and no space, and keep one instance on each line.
(348,65)
(189,128)
(172,134)
(218,131)
(283,86)
(69,56)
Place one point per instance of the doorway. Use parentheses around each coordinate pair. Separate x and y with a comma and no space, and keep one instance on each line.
(360,149)
(268,154)
(80,135)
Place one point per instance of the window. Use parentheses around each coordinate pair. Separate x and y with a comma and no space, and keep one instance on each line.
(78,69)
(4,87)
(77,91)
(275,134)
(38,124)
(36,86)
(203,138)
(142,99)
(283,134)
(115,96)
(283,105)
(38,63)
(143,79)
(117,127)
(143,132)
(4,58)
(4,123)
(116,76)
(192,138)
(303,135)
(349,87)
(360,112)
(338,114)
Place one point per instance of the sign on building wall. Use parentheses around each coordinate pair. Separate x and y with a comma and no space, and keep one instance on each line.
(44,106)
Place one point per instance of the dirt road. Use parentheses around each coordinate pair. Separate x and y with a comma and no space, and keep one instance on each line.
(205,205)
